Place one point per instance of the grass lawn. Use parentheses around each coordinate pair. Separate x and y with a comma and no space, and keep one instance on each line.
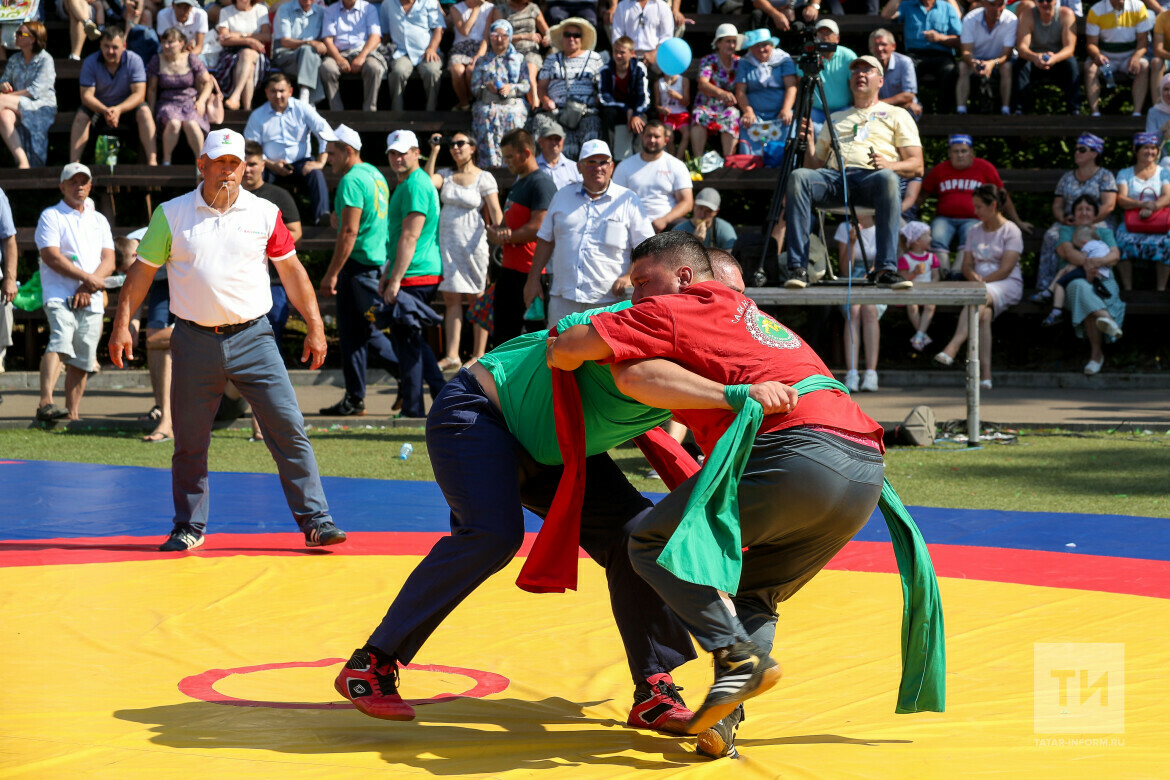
(1095,473)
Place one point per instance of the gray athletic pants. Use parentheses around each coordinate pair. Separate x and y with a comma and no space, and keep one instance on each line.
(803,495)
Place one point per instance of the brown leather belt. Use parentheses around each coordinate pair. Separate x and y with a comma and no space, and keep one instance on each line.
(224,330)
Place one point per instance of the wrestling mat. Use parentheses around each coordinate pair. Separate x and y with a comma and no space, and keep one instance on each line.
(124,662)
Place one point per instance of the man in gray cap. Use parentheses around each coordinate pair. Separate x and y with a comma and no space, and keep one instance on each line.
(706,224)
(562,170)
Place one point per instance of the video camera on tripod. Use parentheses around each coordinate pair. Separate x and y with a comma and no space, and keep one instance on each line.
(812,49)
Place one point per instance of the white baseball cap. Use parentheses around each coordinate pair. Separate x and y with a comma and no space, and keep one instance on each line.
(344,135)
(72,169)
(594,148)
(221,142)
(828,24)
(401,141)
(136,235)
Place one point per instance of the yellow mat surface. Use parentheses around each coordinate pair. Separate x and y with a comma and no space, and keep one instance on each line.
(94,657)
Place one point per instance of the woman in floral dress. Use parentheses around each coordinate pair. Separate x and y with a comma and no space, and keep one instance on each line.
(499,83)
(715,110)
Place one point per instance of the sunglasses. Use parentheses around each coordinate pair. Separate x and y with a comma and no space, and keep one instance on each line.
(24,34)
(459,144)
(1083,149)
(567,34)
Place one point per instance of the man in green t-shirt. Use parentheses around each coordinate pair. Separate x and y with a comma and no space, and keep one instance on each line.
(359,253)
(414,270)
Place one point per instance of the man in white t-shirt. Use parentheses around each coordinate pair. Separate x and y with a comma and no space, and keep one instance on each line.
(189,18)
(986,46)
(661,181)
(77,254)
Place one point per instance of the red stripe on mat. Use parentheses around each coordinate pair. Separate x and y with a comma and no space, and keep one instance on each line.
(1133,576)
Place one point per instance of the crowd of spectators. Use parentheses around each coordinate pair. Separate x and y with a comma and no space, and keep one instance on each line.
(601,123)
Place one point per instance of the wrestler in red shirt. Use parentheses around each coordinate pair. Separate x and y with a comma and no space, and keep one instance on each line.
(812,479)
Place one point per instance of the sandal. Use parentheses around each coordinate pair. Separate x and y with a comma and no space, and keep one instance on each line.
(449,364)
(1054,317)
(154,415)
(943,359)
(1044,296)
(156,437)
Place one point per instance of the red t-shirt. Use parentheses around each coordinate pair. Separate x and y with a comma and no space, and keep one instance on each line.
(720,334)
(280,242)
(954,188)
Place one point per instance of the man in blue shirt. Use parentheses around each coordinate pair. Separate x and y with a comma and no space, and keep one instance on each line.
(415,27)
(113,84)
(900,87)
(298,46)
(931,29)
(352,34)
(283,126)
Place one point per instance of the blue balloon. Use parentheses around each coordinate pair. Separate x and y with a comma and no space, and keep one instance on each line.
(674,56)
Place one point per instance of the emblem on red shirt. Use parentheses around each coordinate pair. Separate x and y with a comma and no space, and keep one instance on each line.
(768,331)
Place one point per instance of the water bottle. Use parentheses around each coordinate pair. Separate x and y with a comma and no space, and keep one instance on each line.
(1107,75)
(405,451)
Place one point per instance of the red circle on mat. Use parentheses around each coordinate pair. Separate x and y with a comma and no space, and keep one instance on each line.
(202,686)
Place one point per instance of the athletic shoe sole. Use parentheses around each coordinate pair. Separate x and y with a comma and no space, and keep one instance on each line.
(710,744)
(399,716)
(707,717)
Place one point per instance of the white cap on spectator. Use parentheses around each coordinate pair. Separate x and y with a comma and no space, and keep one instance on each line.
(594,148)
(221,142)
(72,169)
(401,141)
(871,60)
(709,197)
(136,235)
(829,24)
(182,2)
(344,135)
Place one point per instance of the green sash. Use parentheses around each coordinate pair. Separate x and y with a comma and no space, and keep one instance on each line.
(706,549)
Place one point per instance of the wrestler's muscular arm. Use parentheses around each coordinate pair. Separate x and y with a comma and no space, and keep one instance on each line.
(657,382)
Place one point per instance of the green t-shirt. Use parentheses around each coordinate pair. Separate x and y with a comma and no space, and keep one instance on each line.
(416,193)
(364,187)
(524,383)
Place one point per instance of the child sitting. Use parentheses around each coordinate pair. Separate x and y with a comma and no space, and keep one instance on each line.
(624,95)
(1085,239)
(919,265)
(672,94)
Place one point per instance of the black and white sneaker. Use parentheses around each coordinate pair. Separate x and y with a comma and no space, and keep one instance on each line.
(324,534)
(348,406)
(182,538)
(742,671)
(719,740)
(887,277)
(797,279)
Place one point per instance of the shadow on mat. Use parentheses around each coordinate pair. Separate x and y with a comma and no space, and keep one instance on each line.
(448,738)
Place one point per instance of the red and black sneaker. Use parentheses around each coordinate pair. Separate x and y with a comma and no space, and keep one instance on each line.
(372,685)
(658,705)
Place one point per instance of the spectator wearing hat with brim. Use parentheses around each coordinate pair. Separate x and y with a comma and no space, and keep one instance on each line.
(77,254)
(552,160)
(706,224)
(586,239)
(414,268)
(765,90)
(216,242)
(359,255)
(567,85)
(880,144)
(716,109)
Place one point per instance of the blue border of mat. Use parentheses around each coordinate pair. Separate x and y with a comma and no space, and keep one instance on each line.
(55,500)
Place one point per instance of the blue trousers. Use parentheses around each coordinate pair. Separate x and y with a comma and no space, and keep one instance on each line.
(357,306)
(416,359)
(313,183)
(202,363)
(822,187)
(487,478)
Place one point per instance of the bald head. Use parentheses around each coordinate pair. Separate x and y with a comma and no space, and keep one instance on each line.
(727,269)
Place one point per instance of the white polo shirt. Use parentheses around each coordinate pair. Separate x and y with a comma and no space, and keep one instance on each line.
(593,238)
(81,236)
(217,264)
(655,182)
(988,44)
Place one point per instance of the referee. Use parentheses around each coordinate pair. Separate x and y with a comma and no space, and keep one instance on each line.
(217,241)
